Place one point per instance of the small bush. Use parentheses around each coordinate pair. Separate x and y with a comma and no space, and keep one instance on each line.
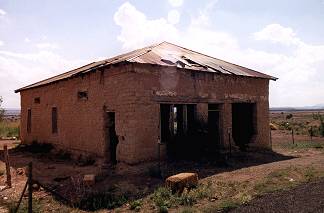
(163,198)
(101,200)
(136,205)
(37,207)
(321,128)
(289,116)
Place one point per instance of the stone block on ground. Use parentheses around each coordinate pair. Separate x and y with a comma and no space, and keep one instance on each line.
(178,182)
(89,180)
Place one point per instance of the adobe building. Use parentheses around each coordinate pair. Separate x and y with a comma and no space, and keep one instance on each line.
(160,100)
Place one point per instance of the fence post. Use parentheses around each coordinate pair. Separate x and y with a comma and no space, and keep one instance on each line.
(292,134)
(271,139)
(30,187)
(6,158)
(229,142)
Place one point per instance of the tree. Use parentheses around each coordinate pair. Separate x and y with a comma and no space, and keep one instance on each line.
(1,109)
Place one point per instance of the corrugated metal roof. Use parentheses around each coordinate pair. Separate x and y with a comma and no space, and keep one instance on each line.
(164,54)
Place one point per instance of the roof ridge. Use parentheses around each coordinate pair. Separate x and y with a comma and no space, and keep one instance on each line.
(217,58)
(147,49)
(136,56)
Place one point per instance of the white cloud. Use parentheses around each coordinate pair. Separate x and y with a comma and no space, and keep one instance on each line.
(137,30)
(20,69)
(202,19)
(1,43)
(299,70)
(174,16)
(27,40)
(176,3)
(2,12)
(47,45)
(277,34)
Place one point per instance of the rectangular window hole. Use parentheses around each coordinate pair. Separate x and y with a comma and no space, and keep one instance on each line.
(37,100)
(83,95)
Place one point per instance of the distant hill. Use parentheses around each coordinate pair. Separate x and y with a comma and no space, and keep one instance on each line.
(308,108)
(11,112)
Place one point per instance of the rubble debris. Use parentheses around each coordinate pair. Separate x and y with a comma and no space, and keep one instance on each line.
(89,180)
(20,171)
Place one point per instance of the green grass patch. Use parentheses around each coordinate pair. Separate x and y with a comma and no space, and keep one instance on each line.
(9,129)
(227,205)
(286,178)
(303,145)
(23,208)
(164,199)
(135,205)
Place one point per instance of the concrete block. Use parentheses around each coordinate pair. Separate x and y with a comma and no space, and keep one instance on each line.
(182,180)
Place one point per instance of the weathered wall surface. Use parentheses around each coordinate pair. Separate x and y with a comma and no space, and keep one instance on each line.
(81,122)
(171,85)
(135,92)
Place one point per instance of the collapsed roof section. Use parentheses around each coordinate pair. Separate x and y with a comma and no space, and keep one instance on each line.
(163,54)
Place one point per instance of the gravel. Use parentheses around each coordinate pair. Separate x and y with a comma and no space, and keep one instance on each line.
(304,198)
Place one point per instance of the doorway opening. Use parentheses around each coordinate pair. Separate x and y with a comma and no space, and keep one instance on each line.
(243,123)
(178,129)
(111,136)
(213,128)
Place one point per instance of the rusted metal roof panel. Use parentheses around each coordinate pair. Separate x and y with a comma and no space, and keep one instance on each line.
(163,54)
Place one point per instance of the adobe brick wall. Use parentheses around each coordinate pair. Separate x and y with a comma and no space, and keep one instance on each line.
(81,123)
(171,85)
(134,92)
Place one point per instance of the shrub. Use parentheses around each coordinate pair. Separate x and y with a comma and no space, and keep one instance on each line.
(289,116)
(101,200)
(136,205)
(321,128)
(163,198)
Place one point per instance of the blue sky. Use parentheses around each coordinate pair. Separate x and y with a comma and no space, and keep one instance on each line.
(43,38)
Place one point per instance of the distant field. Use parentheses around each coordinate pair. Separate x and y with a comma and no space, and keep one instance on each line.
(310,123)
(9,128)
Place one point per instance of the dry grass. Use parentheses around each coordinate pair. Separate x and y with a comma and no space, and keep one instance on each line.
(2,168)
(9,128)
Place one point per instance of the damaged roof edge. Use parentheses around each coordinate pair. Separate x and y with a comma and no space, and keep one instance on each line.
(143,56)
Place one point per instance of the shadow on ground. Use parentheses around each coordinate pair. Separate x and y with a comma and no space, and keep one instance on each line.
(63,176)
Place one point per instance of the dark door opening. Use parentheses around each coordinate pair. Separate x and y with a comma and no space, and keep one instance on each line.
(243,123)
(178,130)
(166,122)
(111,136)
(213,127)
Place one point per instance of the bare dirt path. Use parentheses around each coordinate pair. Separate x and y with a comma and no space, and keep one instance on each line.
(304,198)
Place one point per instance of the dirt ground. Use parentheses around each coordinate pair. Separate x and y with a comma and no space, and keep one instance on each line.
(303,198)
(64,176)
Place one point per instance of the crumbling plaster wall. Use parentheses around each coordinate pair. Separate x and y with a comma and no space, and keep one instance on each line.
(171,85)
(135,92)
(81,122)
